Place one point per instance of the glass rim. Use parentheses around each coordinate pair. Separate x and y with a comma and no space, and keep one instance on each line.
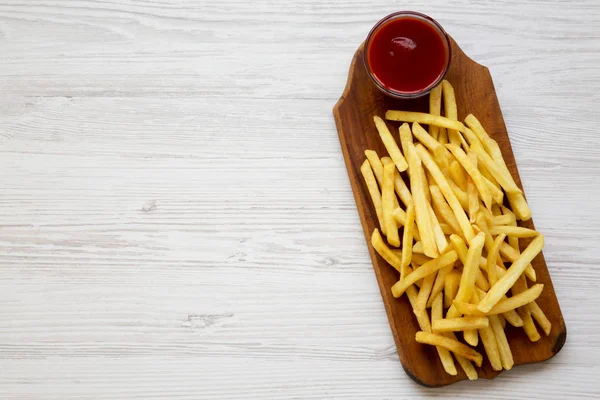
(427,19)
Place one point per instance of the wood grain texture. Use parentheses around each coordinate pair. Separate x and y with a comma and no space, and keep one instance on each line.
(475,94)
(175,214)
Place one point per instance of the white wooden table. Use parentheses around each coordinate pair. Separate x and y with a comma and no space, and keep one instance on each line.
(176,221)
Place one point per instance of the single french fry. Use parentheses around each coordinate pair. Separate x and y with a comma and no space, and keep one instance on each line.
(492,258)
(459,324)
(424,270)
(454,346)
(422,215)
(367,174)
(407,240)
(439,283)
(471,169)
(515,231)
(450,110)
(540,317)
(424,292)
(512,255)
(458,174)
(442,183)
(447,229)
(424,118)
(399,185)
(387,202)
(442,209)
(406,137)
(505,180)
(502,286)
(390,144)
(376,165)
(451,287)
(384,251)
(435,108)
(504,349)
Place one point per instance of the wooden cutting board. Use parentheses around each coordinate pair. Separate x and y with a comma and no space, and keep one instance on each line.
(475,94)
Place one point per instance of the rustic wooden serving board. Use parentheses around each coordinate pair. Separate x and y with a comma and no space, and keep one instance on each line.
(475,94)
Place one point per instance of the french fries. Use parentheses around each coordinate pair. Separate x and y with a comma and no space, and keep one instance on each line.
(451,234)
(450,344)
(390,144)
(388,206)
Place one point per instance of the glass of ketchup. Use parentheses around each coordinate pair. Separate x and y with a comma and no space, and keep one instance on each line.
(407,54)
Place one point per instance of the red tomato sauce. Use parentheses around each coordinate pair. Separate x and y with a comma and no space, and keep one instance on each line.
(406,55)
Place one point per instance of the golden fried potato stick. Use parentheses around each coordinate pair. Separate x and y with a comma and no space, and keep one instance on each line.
(515,231)
(387,203)
(459,324)
(367,174)
(424,292)
(435,108)
(423,217)
(453,345)
(450,110)
(384,251)
(390,144)
(510,254)
(424,118)
(407,240)
(540,317)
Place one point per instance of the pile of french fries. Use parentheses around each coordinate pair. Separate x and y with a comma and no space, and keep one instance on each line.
(458,216)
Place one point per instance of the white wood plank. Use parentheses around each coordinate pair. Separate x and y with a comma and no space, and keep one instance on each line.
(175,215)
